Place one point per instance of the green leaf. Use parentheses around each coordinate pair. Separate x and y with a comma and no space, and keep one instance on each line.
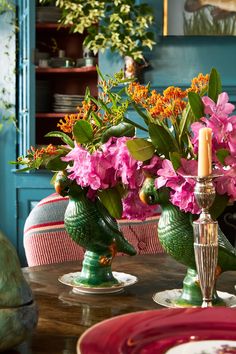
(141,149)
(96,119)
(175,159)
(196,104)
(215,86)
(221,155)
(87,93)
(55,164)
(219,205)
(186,120)
(121,129)
(100,73)
(161,139)
(140,113)
(23,169)
(83,132)
(136,125)
(64,137)
(101,104)
(111,199)
(53,179)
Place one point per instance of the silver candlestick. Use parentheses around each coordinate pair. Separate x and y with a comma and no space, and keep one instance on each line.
(205,238)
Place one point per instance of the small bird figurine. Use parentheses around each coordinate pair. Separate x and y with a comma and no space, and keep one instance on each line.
(89,223)
(222,8)
(175,230)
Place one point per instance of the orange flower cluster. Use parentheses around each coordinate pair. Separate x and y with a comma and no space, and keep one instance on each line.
(138,93)
(199,83)
(67,124)
(49,150)
(171,103)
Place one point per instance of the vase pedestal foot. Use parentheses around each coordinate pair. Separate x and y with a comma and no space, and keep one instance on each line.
(191,292)
(96,273)
(190,295)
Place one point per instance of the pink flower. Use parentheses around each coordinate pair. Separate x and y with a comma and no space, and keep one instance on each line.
(182,189)
(106,168)
(195,127)
(227,183)
(167,175)
(188,167)
(153,166)
(128,170)
(183,194)
(221,109)
(133,208)
(184,199)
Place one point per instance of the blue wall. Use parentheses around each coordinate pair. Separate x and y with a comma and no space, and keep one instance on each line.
(175,60)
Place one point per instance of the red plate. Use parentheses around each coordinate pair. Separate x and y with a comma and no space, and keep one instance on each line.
(157,331)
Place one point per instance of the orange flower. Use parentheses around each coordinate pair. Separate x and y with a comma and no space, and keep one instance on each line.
(199,83)
(173,93)
(67,124)
(49,150)
(138,92)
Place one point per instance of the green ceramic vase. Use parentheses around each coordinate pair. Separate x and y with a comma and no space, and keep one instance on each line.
(91,226)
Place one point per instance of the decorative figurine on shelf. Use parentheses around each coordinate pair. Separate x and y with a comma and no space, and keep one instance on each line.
(90,225)
(18,311)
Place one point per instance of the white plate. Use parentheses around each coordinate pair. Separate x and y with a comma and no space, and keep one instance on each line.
(168,297)
(123,279)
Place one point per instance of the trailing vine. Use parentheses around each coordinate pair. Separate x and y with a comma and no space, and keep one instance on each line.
(7,104)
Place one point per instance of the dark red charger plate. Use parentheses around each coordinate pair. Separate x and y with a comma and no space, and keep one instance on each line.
(156,331)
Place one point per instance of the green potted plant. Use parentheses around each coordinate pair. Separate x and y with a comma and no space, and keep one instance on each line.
(124,26)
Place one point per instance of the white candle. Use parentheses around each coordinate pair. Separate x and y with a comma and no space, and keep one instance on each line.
(205,152)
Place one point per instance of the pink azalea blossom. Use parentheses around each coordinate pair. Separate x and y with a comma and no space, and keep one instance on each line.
(127,169)
(133,208)
(153,166)
(221,109)
(184,198)
(181,188)
(195,127)
(227,183)
(107,167)
(166,175)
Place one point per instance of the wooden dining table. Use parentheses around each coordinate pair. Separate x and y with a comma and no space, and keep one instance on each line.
(64,316)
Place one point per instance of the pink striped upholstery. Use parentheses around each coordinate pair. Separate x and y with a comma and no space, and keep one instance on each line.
(46,240)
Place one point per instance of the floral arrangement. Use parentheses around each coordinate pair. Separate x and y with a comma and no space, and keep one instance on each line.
(102,154)
(95,154)
(173,120)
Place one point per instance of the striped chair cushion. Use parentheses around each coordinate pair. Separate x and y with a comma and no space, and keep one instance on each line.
(46,240)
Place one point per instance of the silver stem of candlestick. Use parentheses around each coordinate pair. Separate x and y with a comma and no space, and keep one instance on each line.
(205,238)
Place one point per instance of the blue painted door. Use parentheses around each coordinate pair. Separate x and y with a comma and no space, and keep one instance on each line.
(26,81)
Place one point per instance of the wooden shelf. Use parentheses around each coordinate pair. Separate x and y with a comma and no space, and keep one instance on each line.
(51,25)
(64,80)
(81,70)
(52,115)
